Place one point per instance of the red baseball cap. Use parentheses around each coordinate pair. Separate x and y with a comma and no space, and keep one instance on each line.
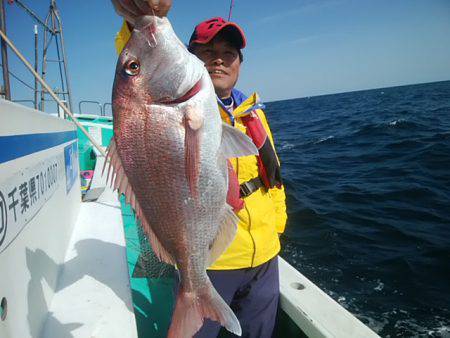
(205,31)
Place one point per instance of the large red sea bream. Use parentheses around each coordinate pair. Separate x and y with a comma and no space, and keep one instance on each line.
(168,156)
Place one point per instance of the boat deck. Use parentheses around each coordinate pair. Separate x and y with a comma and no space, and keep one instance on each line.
(94,278)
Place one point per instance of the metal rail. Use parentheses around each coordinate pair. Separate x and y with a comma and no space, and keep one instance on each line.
(107,104)
(88,101)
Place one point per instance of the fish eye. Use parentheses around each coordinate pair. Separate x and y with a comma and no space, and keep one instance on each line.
(132,67)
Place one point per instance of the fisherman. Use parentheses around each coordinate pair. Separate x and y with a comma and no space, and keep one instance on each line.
(246,274)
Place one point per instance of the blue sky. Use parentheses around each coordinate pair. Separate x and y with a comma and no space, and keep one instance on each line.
(302,48)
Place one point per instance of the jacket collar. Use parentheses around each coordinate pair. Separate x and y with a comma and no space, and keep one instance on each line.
(245,105)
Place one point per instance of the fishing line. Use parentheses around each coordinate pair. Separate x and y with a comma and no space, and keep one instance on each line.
(231,9)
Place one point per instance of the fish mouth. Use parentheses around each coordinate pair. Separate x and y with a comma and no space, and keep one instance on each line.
(189,94)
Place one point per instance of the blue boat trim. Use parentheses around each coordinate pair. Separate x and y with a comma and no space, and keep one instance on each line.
(15,146)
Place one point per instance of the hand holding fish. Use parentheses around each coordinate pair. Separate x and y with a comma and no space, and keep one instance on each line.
(130,10)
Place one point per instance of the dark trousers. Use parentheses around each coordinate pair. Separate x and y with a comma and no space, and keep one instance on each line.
(252,294)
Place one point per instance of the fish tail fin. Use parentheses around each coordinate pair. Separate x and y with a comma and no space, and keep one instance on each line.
(192,308)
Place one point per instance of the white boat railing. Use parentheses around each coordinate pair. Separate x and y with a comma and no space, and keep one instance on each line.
(313,311)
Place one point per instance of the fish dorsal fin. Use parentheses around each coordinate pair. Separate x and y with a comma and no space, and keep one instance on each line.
(225,234)
(235,143)
(119,180)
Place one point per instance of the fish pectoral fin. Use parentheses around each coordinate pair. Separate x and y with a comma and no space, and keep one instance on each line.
(194,118)
(225,235)
(119,180)
(193,122)
(235,143)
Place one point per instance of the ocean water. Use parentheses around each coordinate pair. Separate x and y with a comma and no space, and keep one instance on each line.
(367,176)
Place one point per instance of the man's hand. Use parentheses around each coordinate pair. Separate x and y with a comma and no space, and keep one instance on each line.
(132,9)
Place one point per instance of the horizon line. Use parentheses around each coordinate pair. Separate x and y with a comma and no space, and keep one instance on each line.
(358,90)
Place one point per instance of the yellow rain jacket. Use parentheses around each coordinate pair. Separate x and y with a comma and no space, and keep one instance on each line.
(263,217)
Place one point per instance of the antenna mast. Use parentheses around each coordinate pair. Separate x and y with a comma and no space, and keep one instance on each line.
(52,27)
(53,21)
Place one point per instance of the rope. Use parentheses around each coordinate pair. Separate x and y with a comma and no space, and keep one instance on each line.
(18,79)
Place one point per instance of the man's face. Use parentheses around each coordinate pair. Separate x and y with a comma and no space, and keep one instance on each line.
(222,62)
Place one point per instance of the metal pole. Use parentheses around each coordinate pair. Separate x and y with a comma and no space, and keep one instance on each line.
(61,77)
(58,58)
(50,91)
(63,50)
(36,89)
(44,59)
(4,52)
